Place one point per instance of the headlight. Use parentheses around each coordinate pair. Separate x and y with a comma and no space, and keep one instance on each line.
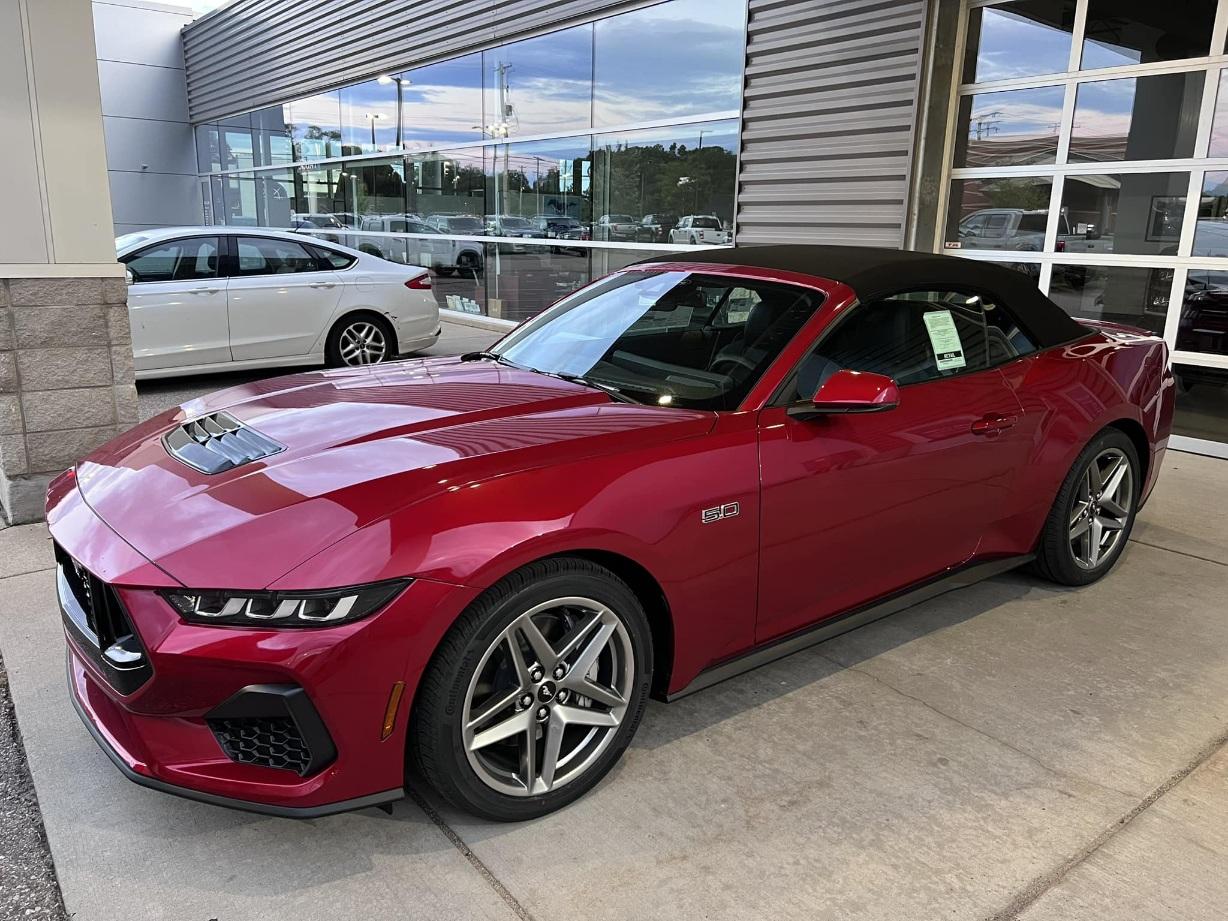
(283,609)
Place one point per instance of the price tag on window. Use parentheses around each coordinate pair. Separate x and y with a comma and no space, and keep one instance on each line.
(944,337)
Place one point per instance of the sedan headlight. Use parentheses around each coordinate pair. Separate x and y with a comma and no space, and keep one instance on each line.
(283,609)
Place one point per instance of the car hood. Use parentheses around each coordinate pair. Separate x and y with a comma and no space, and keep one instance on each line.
(359,445)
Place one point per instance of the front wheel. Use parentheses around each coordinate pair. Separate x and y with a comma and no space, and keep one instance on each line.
(535,692)
(1093,514)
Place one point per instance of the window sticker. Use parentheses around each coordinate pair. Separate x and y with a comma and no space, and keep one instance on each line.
(944,337)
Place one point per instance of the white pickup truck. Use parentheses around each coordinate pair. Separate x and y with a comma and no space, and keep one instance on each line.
(1023,231)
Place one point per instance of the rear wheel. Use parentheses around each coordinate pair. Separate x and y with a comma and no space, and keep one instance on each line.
(535,692)
(469,263)
(360,339)
(1093,514)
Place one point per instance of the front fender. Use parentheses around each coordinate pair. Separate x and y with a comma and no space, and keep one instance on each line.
(642,504)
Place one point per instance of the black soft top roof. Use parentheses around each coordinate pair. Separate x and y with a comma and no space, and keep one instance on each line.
(877,273)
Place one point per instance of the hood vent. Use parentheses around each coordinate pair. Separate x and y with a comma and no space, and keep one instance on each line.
(217,443)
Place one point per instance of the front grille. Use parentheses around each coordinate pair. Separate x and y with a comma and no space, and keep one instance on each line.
(267,741)
(217,443)
(97,618)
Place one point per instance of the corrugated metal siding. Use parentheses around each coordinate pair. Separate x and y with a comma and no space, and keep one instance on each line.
(827,131)
(254,53)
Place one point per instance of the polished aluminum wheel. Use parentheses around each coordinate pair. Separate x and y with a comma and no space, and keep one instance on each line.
(548,696)
(363,343)
(1101,510)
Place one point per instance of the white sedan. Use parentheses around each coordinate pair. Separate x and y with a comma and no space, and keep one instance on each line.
(222,298)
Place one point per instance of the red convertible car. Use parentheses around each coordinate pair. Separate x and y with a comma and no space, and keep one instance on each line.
(472,572)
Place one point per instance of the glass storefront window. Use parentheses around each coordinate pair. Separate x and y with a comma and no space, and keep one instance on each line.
(665,175)
(1009,215)
(1121,294)
(1219,122)
(318,193)
(1203,325)
(669,60)
(1010,128)
(271,137)
(541,182)
(1118,34)
(369,117)
(315,126)
(541,85)
(441,103)
(1211,234)
(372,188)
(1021,39)
(1137,118)
(1135,213)
(1202,402)
(208,149)
(446,183)
(237,150)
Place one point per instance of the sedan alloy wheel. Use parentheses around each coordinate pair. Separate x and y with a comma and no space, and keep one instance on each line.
(363,343)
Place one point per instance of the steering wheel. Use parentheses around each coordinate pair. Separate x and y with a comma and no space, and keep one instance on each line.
(736,360)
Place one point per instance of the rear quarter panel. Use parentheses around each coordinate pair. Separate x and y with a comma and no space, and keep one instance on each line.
(1069,394)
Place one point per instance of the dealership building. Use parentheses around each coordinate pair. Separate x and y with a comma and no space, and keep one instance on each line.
(1082,142)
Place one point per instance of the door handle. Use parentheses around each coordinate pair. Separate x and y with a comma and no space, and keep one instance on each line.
(994,424)
(323,284)
(205,290)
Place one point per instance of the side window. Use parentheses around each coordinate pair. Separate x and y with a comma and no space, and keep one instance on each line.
(269,256)
(912,337)
(996,224)
(333,258)
(189,259)
(973,226)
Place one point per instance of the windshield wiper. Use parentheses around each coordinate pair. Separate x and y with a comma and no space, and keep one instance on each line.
(596,385)
(491,356)
(560,375)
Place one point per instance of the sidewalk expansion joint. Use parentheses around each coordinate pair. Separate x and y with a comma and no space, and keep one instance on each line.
(1192,556)
(1042,884)
(28,572)
(474,860)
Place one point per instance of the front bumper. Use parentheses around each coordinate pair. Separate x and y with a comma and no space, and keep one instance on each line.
(166,731)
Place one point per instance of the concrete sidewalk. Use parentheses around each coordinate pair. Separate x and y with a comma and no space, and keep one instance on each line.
(1010,750)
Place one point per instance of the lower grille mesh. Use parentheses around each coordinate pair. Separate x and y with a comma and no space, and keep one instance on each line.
(268,741)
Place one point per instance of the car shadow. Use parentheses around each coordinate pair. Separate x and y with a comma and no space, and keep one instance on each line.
(667,723)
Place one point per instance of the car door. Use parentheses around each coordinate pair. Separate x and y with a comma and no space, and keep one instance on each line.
(280,298)
(177,304)
(859,506)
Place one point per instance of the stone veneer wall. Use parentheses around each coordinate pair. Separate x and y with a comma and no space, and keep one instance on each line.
(66,383)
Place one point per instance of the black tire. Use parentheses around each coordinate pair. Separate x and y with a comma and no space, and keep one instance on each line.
(437,751)
(332,345)
(468,263)
(1055,555)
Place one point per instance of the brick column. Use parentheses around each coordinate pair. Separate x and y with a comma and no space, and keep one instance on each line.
(66,382)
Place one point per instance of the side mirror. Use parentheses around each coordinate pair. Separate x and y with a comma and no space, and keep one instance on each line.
(128,274)
(850,392)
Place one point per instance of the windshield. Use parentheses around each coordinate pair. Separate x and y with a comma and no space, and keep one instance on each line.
(517,223)
(465,225)
(666,338)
